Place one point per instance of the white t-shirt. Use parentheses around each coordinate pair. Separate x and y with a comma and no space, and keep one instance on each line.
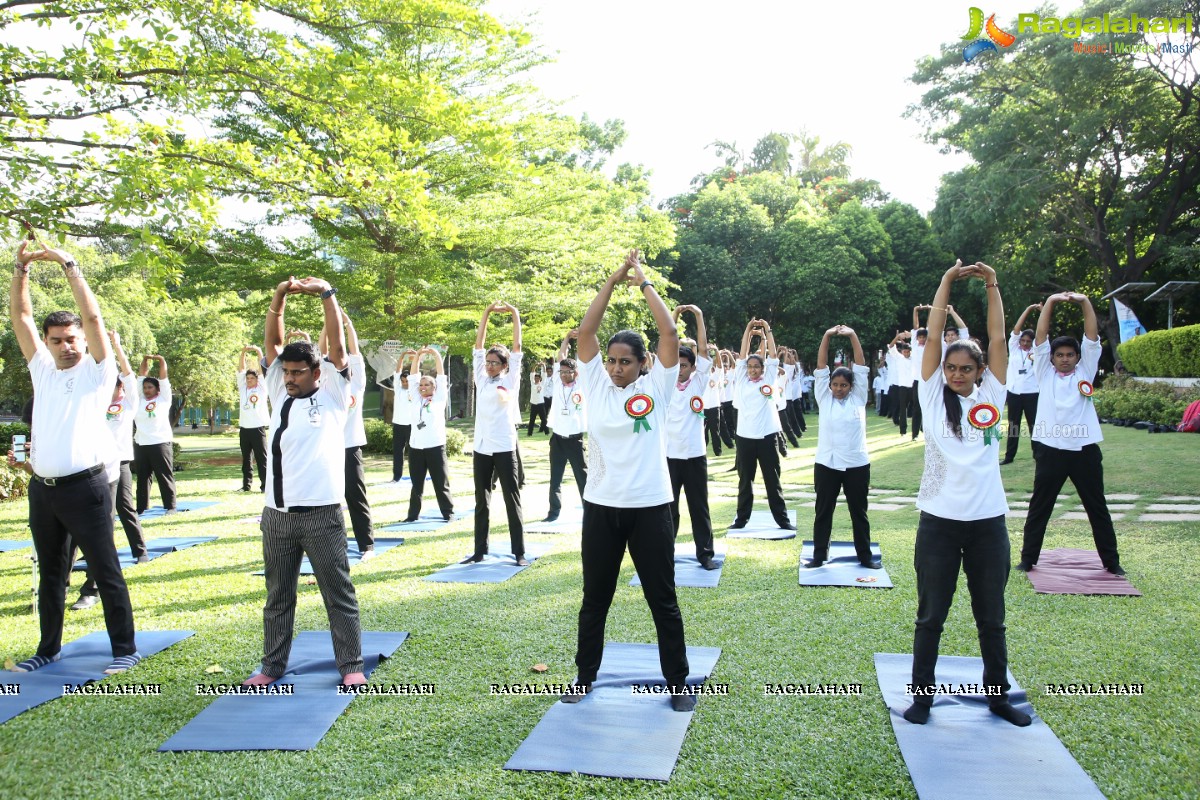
(1066,419)
(119,417)
(153,417)
(495,406)
(429,415)
(568,408)
(254,412)
(402,404)
(308,446)
(627,469)
(685,416)
(961,480)
(900,369)
(842,435)
(536,390)
(757,415)
(1021,376)
(712,388)
(882,381)
(795,381)
(356,432)
(64,438)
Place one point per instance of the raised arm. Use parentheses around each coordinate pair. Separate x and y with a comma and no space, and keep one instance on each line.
(144,369)
(319,287)
(997,341)
(917,316)
(437,360)
(936,323)
(564,349)
(122,361)
(1043,327)
(823,348)
(1091,328)
(744,353)
(273,332)
(668,334)
(589,343)
(855,345)
(701,330)
(958,321)
(351,334)
(772,352)
(516,323)
(1020,324)
(20,306)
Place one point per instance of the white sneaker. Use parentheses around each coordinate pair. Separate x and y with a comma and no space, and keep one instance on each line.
(367,556)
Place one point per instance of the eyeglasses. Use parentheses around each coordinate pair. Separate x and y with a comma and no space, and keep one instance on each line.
(494,363)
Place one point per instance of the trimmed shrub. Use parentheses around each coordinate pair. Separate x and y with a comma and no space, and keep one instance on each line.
(1122,397)
(379,439)
(10,429)
(14,482)
(1164,354)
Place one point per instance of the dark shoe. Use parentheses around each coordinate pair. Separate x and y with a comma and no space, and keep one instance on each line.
(450,517)
(1115,569)
(573,697)
(732,469)
(871,564)
(814,563)
(85,601)
(551,518)
(709,564)
(683,702)
(1006,461)
(475,559)
(407,520)
(738,523)
(522,561)
(244,489)
(1008,712)
(1024,566)
(143,559)
(786,525)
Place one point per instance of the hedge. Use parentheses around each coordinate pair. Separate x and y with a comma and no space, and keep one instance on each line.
(1122,397)
(1163,354)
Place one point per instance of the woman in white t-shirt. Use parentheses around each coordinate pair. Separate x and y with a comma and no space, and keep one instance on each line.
(628,496)
(427,445)
(962,499)
(152,441)
(497,374)
(842,462)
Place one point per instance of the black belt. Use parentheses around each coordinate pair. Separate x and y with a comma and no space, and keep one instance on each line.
(577,436)
(304,509)
(78,476)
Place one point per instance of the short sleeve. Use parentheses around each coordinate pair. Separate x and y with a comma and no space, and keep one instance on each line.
(662,379)
(992,390)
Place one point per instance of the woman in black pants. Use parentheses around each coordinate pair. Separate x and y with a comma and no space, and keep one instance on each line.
(152,441)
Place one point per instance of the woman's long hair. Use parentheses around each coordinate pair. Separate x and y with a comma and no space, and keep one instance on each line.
(949,396)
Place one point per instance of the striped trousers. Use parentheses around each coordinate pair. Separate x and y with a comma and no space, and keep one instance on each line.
(319,533)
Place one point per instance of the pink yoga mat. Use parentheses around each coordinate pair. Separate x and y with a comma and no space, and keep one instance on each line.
(1072,571)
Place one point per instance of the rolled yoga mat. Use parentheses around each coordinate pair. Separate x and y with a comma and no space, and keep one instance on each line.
(842,568)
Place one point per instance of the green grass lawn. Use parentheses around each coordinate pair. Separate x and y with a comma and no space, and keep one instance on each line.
(465,637)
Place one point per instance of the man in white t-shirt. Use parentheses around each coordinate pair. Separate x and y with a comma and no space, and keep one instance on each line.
(305,485)
(687,460)
(69,496)
(253,418)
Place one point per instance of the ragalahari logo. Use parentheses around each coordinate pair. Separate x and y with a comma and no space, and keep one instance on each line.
(993,31)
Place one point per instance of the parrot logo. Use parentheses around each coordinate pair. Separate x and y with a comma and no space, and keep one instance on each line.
(995,34)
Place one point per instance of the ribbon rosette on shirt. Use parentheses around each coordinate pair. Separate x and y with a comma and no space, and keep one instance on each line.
(1086,389)
(254,399)
(985,417)
(697,404)
(639,407)
(767,390)
(502,395)
(150,408)
(114,411)
(577,399)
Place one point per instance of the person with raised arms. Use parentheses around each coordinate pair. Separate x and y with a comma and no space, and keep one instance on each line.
(712,400)
(254,415)
(900,376)
(962,499)
(70,499)
(427,446)
(355,438)
(497,375)
(1066,436)
(152,456)
(628,496)
(306,481)
(537,401)
(567,424)
(757,426)
(842,462)
(401,414)
(1022,383)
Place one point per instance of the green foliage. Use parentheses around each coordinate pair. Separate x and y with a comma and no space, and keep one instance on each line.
(14,482)
(1122,397)
(458,443)
(1171,353)
(379,439)
(10,429)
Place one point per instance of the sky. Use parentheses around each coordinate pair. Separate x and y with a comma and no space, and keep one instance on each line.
(682,75)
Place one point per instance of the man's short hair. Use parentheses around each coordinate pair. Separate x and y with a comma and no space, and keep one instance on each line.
(60,319)
(569,363)
(250,372)
(303,352)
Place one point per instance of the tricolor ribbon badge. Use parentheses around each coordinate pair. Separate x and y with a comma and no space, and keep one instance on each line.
(353,402)
(150,408)
(577,399)
(114,411)
(767,390)
(985,417)
(254,399)
(639,407)
(697,404)
(1086,388)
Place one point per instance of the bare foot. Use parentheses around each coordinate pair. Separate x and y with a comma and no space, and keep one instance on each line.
(354,679)
(259,680)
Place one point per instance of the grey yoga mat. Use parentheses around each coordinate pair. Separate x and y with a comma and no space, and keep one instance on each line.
(842,568)
(688,572)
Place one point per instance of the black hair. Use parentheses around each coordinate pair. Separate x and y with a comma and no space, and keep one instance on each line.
(903,346)
(923,332)
(500,352)
(119,384)
(636,343)
(843,372)
(302,352)
(250,372)
(404,373)
(761,363)
(686,352)
(1028,332)
(949,396)
(60,319)
(152,381)
(1065,341)
(569,363)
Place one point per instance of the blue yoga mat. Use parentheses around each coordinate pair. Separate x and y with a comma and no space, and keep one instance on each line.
(154,549)
(614,732)
(285,722)
(842,568)
(495,567)
(762,525)
(353,555)
(83,661)
(570,520)
(688,572)
(182,506)
(8,544)
(427,522)
(966,751)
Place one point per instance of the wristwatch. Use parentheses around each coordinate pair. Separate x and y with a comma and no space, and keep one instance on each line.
(328,293)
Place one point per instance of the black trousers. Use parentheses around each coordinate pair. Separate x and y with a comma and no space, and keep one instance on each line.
(430,460)
(356,500)
(898,399)
(790,431)
(400,434)
(564,450)
(728,423)
(154,461)
(796,410)
(691,475)
(122,506)
(752,454)
(537,410)
(916,410)
(712,429)
(78,513)
(981,548)
(1019,405)
(253,442)
(501,467)
(647,531)
(1085,468)
(884,398)
(829,483)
